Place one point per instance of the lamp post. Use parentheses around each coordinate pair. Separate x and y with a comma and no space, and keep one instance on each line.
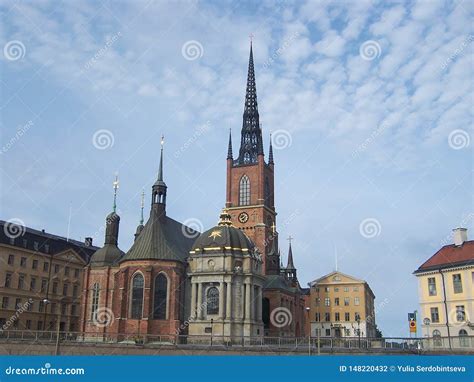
(63,301)
(212,323)
(358,328)
(309,334)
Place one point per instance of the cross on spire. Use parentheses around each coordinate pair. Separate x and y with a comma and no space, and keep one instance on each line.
(116,186)
(251,36)
(290,238)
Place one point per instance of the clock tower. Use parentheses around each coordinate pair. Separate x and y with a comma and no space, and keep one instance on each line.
(250,197)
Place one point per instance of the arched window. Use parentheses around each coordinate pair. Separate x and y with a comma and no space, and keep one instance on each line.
(267,191)
(160,297)
(137,296)
(94,301)
(463,338)
(244,191)
(437,337)
(212,300)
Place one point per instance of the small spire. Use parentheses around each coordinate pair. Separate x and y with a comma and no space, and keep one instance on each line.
(229,149)
(270,152)
(160,171)
(142,205)
(116,186)
(290,264)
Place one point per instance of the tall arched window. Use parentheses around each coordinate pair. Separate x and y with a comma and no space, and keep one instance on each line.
(437,337)
(160,294)
(244,191)
(95,301)
(212,300)
(267,191)
(463,338)
(137,296)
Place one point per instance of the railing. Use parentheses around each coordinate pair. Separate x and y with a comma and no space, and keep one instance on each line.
(324,344)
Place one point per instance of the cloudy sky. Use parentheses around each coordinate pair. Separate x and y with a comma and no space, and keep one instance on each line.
(369,102)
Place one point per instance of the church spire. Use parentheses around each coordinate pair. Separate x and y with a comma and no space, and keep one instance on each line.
(159,188)
(251,145)
(290,267)
(160,170)
(229,149)
(270,152)
(116,186)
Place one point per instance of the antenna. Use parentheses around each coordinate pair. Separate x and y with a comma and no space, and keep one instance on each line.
(141,206)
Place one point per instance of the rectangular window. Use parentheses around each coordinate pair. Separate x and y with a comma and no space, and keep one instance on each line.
(432,286)
(327,301)
(11,259)
(23,262)
(39,325)
(336,289)
(55,287)
(326,289)
(356,301)
(346,301)
(457,283)
(8,280)
(46,248)
(434,315)
(28,324)
(347,332)
(44,285)
(73,310)
(34,264)
(317,317)
(356,289)
(347,316)
(327,316)
(45,266)
(56,268)
(346,289)
(35,245)
(21,281)
(460,313)
(5,302)
(357,316)
(65,289)
(328,332)
(18,303)
(41,307)
(53,307)
(33,284)
(63,309)
(336,301)
(66,271)
(76,273)
(75,289)
(336,317)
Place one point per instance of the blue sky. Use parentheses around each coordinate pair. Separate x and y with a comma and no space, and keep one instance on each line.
(370,104)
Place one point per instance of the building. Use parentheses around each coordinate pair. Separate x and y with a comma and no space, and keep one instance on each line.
(446,289)
(341,306)
(164,284)
(40,278)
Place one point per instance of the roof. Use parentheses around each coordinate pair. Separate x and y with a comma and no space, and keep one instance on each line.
(279,282)
(352,278)
(162,238)
(450,256)
(224,236)
(107,255)
(46,243)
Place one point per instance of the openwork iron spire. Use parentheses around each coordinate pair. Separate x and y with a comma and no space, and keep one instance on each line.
(251,144)
(229,149)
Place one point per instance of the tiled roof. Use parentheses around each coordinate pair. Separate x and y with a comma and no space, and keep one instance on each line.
(450,256)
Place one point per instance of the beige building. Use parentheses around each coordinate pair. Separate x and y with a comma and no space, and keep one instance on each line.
(341,306)
(446,290)
(40,279)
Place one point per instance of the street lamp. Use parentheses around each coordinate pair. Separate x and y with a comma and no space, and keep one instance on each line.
(309,334)
(212,323)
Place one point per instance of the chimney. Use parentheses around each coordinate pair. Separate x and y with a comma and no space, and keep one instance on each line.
(88,241)
(459,236)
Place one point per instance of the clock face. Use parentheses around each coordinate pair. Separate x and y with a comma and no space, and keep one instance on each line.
(243,217)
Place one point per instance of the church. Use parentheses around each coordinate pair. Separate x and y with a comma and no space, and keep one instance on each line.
(225,284)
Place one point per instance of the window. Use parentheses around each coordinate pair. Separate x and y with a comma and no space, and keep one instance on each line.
(5,302)
(63,309)
(267,191)
(317,317)
(347,332)
(46,248)
(11,260)
(327,316)
(28,324)
(327,301)
(336,289)
(356,289)
(73,309)
(347,316)
(326,289)
(432,286)
(346,301)
(357,316)
(23,262)
(44,285)
(41,307)
(244,191)
(356,301)
(212,300)
(56,268)
(66,271)
(18,303)
(21,281)
(34,264)
(318,301)
(137,296)
(160,297)
(434,315)
(328,332)
(39,325)
(94,301)
(336,301)
(463,338)
(346,289)
(8,280)
(457,283)
(65,289)
(75,289)
(45,266)
(437,337)
(460,313)
(336,317)
(55,287)
(35,245)
(76,273)
(53,308)
(33,284)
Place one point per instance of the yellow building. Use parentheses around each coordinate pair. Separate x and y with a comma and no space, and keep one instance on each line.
(40,279)
(446,291)
(341,306)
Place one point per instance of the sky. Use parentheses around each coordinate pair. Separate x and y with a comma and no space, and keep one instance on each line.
(369,104)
